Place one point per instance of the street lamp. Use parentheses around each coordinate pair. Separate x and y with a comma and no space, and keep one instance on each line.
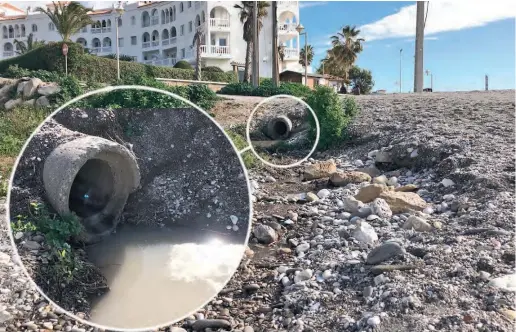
(119,11)
(401,51)
(428,72)
(300,29)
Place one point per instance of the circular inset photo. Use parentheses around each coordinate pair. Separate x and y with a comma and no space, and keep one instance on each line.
(129,219)
(282,131)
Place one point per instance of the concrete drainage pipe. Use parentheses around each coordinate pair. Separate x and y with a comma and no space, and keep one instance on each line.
(92,177)
(279,127)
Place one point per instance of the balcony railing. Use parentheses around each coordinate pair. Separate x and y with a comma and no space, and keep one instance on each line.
(219,23)
(96,30)
(106,29)
(155,20)
(291,53)
(105,49)
(146,44)
(287,28)
(155,43)
(8,53)
(215,50)
(161,62)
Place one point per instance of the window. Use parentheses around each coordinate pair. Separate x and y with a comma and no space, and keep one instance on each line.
(51,27)
(183,53)
(189,4)
(182,30)
(85,29)
(133,20)
(121,42)
(181,7)
(133,40)
(223,42)
(190,26)
(119,22)
(34,28)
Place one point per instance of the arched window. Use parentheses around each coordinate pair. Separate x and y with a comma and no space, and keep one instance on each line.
(11,31)
(181,7)
(51,26)
(5,33)
(17,31)
(34,28)
(23,30)
(133,20)
(203,17)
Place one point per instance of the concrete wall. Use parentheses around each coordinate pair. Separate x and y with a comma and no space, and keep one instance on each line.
(213,86)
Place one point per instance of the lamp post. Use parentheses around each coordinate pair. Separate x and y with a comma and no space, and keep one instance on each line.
(300,29)
(119,12)
(401,51)
(428,72)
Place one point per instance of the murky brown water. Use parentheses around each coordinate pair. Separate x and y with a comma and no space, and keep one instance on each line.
(157,275)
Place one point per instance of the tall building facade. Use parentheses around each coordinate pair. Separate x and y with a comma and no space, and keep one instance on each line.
(162,32)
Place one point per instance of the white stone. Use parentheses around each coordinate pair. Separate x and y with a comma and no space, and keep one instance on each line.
(31,87)
(365,233)
(447,182)
(12,103)
(506,283)
(42,102)
(48,89)
(373,321)
(302,247)
(414,154)
(323,193)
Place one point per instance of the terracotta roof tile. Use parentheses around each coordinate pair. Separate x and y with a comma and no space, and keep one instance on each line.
(11,7)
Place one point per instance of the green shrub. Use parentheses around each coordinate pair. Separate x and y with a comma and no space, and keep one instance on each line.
(250,160)
(183,65)
(266,89)
(202,96)
(333,118)
(213,69)
(93,68)
(122,57)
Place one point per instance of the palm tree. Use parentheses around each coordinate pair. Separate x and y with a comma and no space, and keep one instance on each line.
(309,55)
(246,17)
(68,18)
(199,33)
(31,44)
(346,46)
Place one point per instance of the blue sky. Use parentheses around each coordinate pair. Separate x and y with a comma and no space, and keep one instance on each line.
(459,48)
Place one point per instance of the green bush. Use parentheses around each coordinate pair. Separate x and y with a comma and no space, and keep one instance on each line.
(213,69)
(266,89)
(183,65)
(333,115)
(93,68)
(122,57)
(250,160)
(14,71)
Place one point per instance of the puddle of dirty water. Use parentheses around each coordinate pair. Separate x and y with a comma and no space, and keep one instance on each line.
(157,275)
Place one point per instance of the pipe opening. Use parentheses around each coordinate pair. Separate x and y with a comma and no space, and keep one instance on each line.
(281,128)
(92,188)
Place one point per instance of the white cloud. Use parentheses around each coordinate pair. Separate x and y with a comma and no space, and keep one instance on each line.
(307,4)
(412,40)
(443,15)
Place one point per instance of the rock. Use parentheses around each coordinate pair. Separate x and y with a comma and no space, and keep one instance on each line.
(265,234)
(31,86)
(371,170)
(19,89)
(382,179)
(29,102)
(383,157)
(365,233)
(447,182)
(302,247)
(392,181)
(379,269)
(509,314)
(311,197)
(48,89)
(12,103)
(352,205)
(341,179)
(269,178)
(323,193)
(42,102)
(4,316)
(303,275)
(292,215)
(368,291)
(373,321)
(505,283)
(407,188)
(202,324)
(370,193)
(6,89)
(384,252)
(418,224)
(380,207)
(31,245)
(358,163)
(401,202)
(319,170)
(4,258)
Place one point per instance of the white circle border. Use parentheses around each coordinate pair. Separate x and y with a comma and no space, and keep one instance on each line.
(248,127)
(49,117)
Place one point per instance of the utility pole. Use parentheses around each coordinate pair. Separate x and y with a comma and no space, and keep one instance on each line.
(401,51)
(487,82)
(420,37)
(256,74)
(275,69)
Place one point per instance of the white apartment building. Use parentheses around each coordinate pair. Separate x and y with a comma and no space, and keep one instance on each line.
(161,32)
